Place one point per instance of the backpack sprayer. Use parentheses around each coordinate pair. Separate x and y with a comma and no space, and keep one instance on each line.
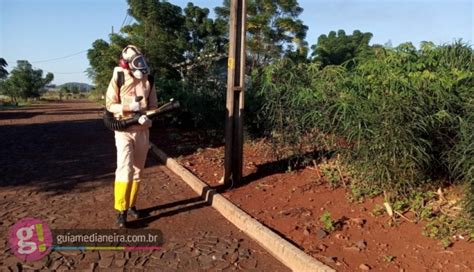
(113,124)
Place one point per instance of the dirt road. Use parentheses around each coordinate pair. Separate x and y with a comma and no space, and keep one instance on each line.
(57,162)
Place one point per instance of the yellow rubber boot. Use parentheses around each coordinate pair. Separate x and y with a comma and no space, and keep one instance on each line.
(122,195)
(133,193)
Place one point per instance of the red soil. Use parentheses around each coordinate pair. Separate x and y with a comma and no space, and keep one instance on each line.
(291,203)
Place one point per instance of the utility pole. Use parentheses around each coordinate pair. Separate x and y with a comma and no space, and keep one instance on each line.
(235,93)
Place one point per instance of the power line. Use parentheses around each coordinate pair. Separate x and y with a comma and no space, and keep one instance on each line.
(64,57)
(67,73)
(126,22)
(123,22)
(130,20)
(62,73)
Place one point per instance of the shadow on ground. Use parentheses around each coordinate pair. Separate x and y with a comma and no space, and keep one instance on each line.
(177,142)
(152,214)
(56,156)
(282,165)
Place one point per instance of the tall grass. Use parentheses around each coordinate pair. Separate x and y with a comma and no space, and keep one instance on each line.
(405,115)
(461,157)
(295,106)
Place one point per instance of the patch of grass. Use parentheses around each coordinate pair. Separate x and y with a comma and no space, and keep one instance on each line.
(331,175)
(359,193)
(446,242)
(441,212)
(443,227)
(12,106)
(419,204)
(328,222)
(378,210)
(388,258)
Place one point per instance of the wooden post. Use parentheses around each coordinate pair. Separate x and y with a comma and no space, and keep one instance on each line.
(235,93)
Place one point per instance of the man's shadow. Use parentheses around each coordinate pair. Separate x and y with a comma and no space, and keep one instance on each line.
(148,215)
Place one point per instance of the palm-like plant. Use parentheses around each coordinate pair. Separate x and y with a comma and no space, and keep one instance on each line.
(3,71)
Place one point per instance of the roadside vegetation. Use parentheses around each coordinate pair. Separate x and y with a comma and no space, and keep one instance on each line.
(400,120)
(23,82)
(393,121)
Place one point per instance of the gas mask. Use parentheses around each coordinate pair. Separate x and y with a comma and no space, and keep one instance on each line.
(138,66)
(133,60)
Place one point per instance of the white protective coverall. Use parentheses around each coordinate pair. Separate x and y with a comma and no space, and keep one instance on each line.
(133,143)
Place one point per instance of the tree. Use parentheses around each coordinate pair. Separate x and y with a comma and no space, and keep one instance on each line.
(75,90)
(6,88)
(205,36)
(3,71)
(167,35)
(103,57)
(25,82)
(338,48)
(62,92)
(273,30)
(159,33)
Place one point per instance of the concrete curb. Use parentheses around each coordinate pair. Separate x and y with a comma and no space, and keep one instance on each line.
(288,254)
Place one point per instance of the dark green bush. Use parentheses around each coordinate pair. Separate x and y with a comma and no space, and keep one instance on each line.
(202,97)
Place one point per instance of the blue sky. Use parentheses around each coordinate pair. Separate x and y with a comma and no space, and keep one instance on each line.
(38,30)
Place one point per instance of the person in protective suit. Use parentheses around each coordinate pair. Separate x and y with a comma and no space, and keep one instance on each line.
(130,81)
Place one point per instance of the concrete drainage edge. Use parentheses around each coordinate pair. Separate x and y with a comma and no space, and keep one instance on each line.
(284,251)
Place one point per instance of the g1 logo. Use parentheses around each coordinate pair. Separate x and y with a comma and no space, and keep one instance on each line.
(30,239)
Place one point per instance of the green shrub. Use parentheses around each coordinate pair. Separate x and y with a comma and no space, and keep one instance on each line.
(202,97)
(293,112)
(402,118)
(328,222)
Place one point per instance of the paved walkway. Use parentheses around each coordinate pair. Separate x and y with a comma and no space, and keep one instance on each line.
(57,165)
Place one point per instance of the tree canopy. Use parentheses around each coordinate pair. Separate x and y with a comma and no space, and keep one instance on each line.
(273,29)
(167,35)
(25,81)
(337,48)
